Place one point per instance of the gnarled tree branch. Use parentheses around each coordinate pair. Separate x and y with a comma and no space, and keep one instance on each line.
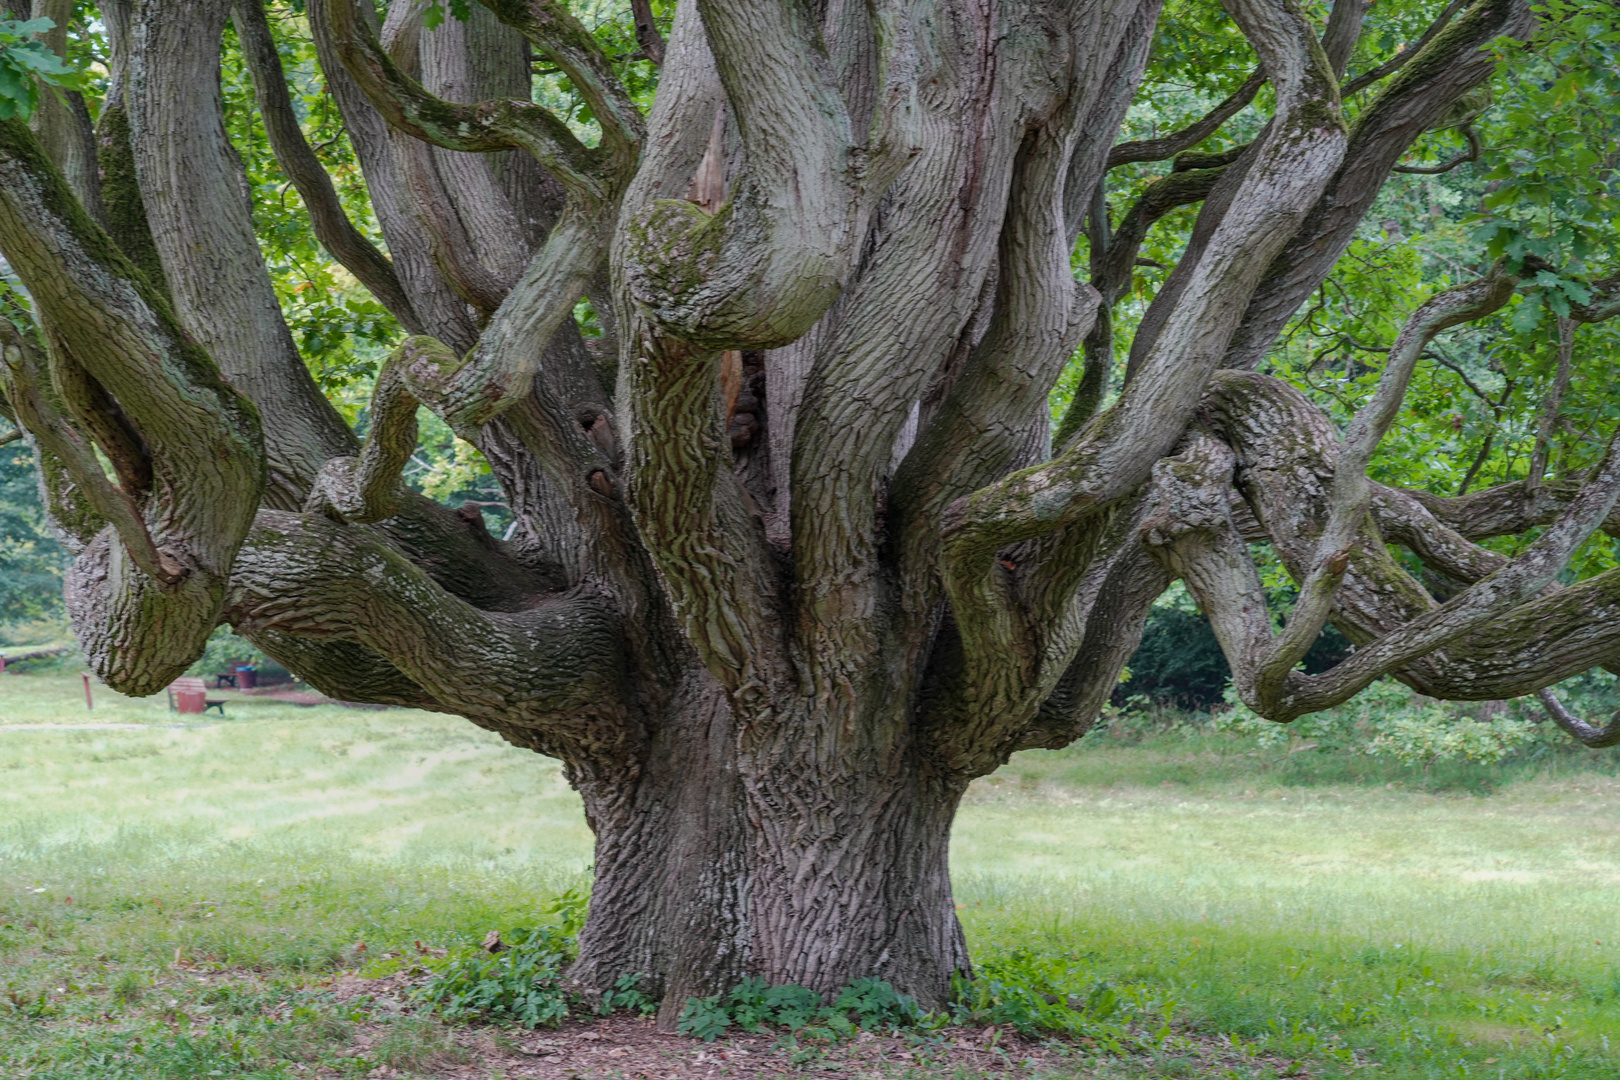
(1584,733)
(331,225)
(1396,626)
(553,670)
(760,271)
(368,488)
(1288,170)
(1168,146)
(1351,494)
(1451,65)
(143,608)
(484,127)
(1406,55)
(203,230)
(1470,154)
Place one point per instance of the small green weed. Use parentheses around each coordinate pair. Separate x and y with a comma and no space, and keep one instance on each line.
(627,995)
(872,1004)
(413,1044)
(863,1005)
(520,985)
(705,1018)
(128,989)
(570,909)
(1015,993)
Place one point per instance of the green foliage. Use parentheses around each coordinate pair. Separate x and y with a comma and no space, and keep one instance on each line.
(570,909)
(754,1004)
(25,64)
(1387,720)
(1551,186)
(222,649)
(1178,660)
(705,1018)
(31,560)
(1433,734)
(627,996)
(521,984)
(1033,994)
(872,1004)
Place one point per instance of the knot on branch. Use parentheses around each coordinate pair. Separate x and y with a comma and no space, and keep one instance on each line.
(340,492)
(735,279)
(674,250)
(367,488)
(1191,492)
(602,484)
(1336,564)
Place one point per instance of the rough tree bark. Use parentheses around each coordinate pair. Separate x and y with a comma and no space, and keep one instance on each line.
(771,652)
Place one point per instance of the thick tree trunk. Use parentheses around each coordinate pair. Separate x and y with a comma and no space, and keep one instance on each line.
(670,896)
(708,871)
(871,901)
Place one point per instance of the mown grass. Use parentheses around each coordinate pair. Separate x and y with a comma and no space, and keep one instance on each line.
(1438,930)
(172,897)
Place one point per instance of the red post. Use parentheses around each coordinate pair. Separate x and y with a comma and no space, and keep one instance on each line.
(89,703)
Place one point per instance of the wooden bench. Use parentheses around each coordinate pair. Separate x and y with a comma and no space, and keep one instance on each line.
(241,674)
(193,687)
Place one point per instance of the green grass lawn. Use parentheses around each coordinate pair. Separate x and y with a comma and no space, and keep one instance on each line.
(1455,922)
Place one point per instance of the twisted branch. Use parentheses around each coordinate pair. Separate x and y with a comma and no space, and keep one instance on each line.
(1471,154)
(1168,146)
(42,413)
(334,596)
(368,488)
(1406,55)
(1584,733)
(1289,168)
(764,267)
(326,216)
(1351,494)
(500,370)
(1451,63)
(481,128)
(566,43)
(144,607)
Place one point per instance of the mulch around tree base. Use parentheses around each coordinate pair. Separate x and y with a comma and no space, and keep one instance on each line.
(625,1047)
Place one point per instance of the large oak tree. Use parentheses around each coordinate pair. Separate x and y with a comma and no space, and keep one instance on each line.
(797,553)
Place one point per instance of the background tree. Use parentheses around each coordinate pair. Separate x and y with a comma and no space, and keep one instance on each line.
(757,328)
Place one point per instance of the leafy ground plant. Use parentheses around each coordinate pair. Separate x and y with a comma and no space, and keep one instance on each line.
(520,984)
(863,1005)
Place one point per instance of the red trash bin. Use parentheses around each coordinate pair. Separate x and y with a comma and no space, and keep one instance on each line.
(190,701)
(246,678)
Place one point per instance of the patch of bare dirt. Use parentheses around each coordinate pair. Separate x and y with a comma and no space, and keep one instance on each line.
(624,1047)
